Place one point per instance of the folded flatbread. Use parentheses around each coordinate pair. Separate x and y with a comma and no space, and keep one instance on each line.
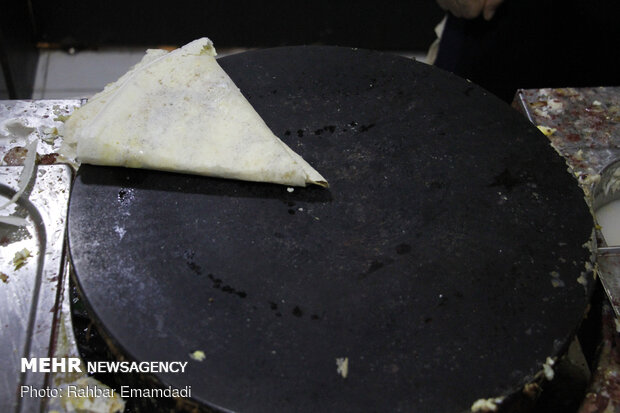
(179,111)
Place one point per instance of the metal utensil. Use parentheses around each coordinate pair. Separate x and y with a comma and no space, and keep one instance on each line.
(607,190)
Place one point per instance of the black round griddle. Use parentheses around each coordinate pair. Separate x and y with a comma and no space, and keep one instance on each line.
(442,262)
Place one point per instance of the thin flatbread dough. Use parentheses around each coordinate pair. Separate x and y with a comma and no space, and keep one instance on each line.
(179,111)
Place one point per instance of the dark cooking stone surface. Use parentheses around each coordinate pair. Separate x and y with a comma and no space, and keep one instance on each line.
(432,262)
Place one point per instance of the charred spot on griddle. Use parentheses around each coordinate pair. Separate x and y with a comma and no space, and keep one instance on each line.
(328,128)
(194,267)
(217,284)
(434,184)
(300,133)
(274,307)
(506,179)
(297,311)
(366,128)
(403,249)
(189,260)
(121,194)
(291,211)
(315,317)
(374,266)
(287,133)
(216,281)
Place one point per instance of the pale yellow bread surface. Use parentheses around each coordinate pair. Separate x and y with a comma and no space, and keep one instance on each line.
(180,112)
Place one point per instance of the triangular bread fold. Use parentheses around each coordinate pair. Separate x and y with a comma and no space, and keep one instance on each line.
(179,111)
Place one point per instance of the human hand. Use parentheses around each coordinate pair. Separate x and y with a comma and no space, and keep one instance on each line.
(470,9)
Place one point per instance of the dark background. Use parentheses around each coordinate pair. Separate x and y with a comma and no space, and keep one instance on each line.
(18,55)
(391,25)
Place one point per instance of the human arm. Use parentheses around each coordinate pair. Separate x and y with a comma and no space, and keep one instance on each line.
(470,9)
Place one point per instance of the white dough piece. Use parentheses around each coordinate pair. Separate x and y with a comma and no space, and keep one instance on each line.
(179,111)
